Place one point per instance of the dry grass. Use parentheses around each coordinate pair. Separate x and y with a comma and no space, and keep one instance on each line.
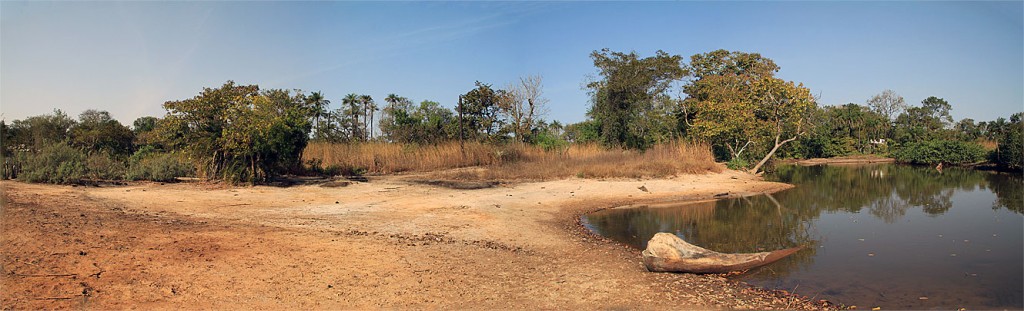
(988,144)
(386,158)
(518,162)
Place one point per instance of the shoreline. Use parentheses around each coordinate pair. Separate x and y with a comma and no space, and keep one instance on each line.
(860,159)
(423,246)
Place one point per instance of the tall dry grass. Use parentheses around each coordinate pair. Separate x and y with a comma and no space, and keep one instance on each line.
(517,162)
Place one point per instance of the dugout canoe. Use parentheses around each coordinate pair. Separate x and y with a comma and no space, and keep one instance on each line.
(668,253)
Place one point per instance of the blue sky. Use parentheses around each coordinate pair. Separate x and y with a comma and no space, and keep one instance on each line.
(130,57)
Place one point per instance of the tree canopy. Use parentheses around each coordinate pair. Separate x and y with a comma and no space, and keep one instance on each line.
(629,89)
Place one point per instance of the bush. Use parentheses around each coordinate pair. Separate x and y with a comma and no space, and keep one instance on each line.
(57,163)
(147,164)
(550,142)
(737,163)
(102,166)
(939,151)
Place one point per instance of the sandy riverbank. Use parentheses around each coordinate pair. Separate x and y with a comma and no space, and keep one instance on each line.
(386,243)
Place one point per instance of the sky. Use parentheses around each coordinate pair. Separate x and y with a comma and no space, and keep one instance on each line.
(129,58)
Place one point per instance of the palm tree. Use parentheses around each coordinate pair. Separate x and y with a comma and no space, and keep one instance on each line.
(319,105)
(392,100)
(370,108)
(352,100)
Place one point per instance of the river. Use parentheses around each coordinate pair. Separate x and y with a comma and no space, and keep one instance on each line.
(885,235)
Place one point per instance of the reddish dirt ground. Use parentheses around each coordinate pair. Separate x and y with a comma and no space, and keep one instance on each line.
(387,243)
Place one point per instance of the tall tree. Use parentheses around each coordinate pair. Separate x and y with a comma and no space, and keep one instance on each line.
(36,132)
(888,103)
(781,109)
(319,105)
(629,88)
(735,102)
(97,131)
(353,112)
(718,108)
(370,109)
(524,104)
(938,109)
(479,110)
(238,133)
(928,122)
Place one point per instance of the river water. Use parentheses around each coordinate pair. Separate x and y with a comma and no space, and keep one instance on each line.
(889,236)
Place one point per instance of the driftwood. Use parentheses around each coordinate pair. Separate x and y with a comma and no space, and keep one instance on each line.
(668,253)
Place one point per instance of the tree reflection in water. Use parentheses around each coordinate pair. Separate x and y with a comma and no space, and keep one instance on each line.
(786,219)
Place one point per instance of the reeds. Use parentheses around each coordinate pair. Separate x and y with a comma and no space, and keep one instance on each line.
(517,161)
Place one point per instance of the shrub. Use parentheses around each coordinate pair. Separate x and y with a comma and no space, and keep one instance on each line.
(102,166)
(550,142)
(737,163)
(57,163)
(147,164)
(939,151)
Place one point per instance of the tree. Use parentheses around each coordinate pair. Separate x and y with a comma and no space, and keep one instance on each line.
(735,102)
(584,132)
(318,103)
(34,133)
(353,111)
(144,124)
(523,105)
(967,130)
(928,122)
(781,109)
(888,104)
(938,109)
(397,108)
(1010,153)
(856,124)
(479,109)
(96,131)
(238,133)
(628,89)
(369,108)
(718,108)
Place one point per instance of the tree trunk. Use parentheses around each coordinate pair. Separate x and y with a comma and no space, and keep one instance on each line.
(771,153)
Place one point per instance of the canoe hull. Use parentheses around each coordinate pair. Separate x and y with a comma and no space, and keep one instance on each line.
(668,253)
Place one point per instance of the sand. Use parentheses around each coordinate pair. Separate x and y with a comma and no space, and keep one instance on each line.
(388,243)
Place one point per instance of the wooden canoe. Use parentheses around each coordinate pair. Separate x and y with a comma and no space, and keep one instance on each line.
(668,253)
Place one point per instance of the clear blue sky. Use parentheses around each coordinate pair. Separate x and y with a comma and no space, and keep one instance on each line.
(130,57)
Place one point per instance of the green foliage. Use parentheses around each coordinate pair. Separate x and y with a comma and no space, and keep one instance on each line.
(479,109)
(237,133)
(631,102)
(57,163)
(144,124)
(97,131)
(428,123)
(149,164)
(939,151)
(584,132)
(549,141)
(1010,153)
(104,167)
(888,104)
(737,163)
(737,104)
(35,133)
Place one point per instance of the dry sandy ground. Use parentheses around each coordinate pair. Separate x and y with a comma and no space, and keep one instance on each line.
(387,243)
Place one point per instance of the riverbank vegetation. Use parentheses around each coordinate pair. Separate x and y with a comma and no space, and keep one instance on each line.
(649,116)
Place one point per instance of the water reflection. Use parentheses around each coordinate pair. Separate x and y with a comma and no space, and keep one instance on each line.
(889,190)
(873,235)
